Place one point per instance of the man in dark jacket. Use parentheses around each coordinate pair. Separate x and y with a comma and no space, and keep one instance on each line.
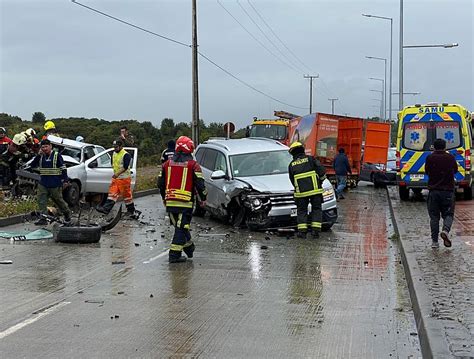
(180,178)
(307,176)
(441,167)
(342,168)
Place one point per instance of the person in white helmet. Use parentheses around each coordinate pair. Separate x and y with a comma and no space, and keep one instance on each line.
(9,160)
(80,139)
(4,140)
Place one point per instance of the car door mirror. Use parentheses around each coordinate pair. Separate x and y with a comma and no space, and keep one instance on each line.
(217,175)
(93,164)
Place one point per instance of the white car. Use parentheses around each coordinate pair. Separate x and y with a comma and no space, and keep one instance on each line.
(89,167)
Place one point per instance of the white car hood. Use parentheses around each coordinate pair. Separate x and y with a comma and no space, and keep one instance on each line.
(277,183)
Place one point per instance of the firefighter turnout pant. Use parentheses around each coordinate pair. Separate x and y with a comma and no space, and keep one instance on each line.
(316,213)
(181,220)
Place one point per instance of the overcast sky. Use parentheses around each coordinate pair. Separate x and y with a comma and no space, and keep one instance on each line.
(64,60)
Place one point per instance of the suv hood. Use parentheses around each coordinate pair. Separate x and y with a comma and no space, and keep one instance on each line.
(277,183)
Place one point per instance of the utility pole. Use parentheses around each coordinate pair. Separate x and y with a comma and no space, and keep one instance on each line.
(332,103)
(195,122)
(400,66)
(311,90)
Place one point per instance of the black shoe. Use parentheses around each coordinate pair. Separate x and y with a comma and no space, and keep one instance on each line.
(189,250)
(101,209)
(301,234)
(177,259)
(315,234)
(41,222)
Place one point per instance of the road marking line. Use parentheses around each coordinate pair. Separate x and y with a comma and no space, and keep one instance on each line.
(29,321)
(156,257)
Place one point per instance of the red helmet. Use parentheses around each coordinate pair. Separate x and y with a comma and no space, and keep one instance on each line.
(184,144)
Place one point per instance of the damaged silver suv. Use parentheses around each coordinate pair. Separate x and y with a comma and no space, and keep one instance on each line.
(248,184)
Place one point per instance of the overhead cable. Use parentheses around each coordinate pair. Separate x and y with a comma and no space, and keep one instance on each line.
(186,45)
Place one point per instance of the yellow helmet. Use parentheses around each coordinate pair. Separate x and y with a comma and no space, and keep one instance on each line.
(295,145)
(49,125)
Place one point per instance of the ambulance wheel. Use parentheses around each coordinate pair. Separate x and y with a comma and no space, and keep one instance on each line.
(468,193)
(404,193)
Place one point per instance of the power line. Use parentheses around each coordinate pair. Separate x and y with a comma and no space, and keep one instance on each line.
(269,40)
(183,44)
(253,37)
(278,38)
(246,84)
(130,24)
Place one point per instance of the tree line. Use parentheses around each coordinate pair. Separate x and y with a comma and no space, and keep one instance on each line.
(150,140)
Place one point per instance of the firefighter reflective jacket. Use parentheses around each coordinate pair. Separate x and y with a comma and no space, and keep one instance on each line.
(306,175)
(180,178)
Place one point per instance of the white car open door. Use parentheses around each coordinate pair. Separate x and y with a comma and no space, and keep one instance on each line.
(99,170)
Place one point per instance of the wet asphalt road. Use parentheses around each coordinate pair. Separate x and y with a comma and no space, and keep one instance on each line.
(341,296)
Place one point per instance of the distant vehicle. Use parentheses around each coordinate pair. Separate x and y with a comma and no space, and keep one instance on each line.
(323,134)
(381,174)
(247,182)
(275,129)
(418,127)
(89,167)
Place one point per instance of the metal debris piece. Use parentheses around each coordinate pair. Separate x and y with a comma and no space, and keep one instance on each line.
(118,262)
(6,262)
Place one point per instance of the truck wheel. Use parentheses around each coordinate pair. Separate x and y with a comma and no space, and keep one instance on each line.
(468,193)
(404,193)
(81,234)
(72,194)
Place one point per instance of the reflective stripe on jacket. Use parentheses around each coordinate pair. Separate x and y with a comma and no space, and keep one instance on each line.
(306,175)
(117,163)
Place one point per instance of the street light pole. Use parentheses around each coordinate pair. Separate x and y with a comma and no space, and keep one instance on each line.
(400,66)
(385,83)
(195,121)
(446,46)
(391,58)
(383,92)
(332,103)
(311,90)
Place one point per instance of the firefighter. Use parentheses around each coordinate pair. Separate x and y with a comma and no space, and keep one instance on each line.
(50,129)
(4,140)
(180,178)
(32,143)
(9,159)
(307,176)
(121,181)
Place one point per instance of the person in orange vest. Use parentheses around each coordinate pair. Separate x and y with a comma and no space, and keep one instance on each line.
(121,181)
(180,178)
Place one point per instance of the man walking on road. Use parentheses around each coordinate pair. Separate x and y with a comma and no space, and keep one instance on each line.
(180,178)
(121,181)
(307,176)
(53,179)
(441,167)
(342,168)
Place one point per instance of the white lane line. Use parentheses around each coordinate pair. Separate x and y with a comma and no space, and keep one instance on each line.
(156,257)
(31,320)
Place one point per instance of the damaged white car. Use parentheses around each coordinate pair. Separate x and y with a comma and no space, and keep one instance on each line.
(89,168)
(247,182)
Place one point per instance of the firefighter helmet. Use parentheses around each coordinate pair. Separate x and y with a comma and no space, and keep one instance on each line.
(295,145)
(19,139)
(184,144)
(31,132)
(49,125)
(3,130)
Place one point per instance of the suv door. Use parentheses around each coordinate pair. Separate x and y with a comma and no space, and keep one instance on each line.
(99,170)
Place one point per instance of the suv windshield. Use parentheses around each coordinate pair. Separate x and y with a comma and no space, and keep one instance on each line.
(276,132)
(420,136)
(260,163)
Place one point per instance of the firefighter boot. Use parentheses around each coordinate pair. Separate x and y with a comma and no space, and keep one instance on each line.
(301,234)
(176,257)
(106,208)
(189,250)
(315,234)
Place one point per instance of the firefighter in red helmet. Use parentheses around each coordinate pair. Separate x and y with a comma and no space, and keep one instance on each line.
(181,178)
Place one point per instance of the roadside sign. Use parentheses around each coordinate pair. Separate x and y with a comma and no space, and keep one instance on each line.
(229,128)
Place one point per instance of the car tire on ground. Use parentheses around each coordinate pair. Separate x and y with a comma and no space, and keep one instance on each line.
(468,193)
(79,234)
(72,194)
(404,193)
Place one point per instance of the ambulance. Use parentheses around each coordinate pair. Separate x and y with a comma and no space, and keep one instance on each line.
(418,127)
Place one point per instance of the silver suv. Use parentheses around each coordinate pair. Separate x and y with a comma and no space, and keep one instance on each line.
(247,180)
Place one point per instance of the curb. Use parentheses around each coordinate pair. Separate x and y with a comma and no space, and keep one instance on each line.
(20,218)
(432,341)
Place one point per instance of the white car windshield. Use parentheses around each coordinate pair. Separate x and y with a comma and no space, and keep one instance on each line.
(260,163)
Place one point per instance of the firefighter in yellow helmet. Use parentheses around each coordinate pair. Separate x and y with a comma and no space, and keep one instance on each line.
(50,129)
(307,176)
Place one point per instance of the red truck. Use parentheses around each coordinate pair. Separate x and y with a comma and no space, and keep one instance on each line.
(323,134)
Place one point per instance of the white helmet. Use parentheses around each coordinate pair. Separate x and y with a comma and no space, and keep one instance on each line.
(31,132)
(80,139)
(19,139)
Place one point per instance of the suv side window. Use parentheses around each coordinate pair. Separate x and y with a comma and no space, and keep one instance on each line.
(209,159)
(104,161)
(88,153)
(199,155)
(221,164)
